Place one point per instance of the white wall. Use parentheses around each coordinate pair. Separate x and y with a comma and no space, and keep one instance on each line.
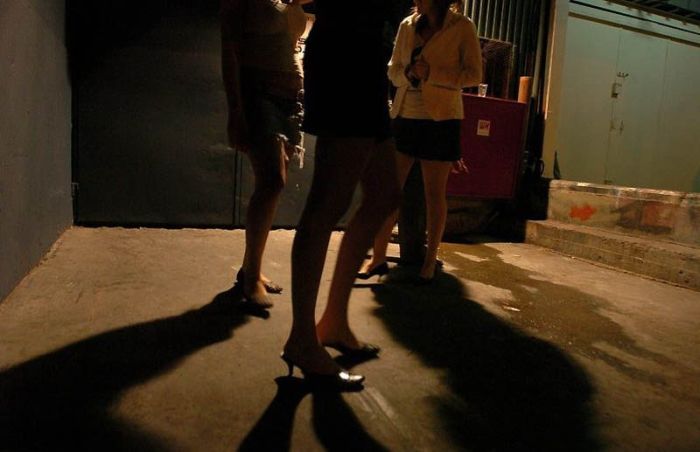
(679,121)
(646,137)
(556,50)
(35,127)
(585,108)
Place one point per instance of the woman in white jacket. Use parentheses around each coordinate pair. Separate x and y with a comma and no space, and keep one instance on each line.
(436,54)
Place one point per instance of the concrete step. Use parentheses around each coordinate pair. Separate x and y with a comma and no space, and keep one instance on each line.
(666,261)
(655,214)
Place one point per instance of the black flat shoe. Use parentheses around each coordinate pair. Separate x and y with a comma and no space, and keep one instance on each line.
(270,286)
(365,351)
(342,381)
(381,269)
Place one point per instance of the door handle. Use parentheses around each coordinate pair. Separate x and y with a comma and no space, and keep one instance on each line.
(617,125)
(615,93)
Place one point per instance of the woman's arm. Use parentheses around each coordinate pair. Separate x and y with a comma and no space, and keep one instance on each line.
(471,58)
(397,69)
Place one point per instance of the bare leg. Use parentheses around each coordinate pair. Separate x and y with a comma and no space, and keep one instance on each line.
(381,241)
(269,163)
(339,164)
(381,194)
(435,176)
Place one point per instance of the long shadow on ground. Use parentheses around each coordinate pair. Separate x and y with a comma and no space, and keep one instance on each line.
(62,400)
(510,391)
(335,424)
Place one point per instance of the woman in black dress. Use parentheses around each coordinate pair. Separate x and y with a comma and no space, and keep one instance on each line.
(346,106)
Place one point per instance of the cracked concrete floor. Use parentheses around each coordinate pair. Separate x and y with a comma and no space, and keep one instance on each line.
(126,339)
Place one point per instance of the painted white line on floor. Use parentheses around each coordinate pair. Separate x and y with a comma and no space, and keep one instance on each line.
(381,403)
(470,257)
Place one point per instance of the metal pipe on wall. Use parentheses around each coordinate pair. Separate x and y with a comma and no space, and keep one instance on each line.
(519,22)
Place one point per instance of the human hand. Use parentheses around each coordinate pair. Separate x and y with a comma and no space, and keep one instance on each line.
(238,132)
(420,69)
(459,167)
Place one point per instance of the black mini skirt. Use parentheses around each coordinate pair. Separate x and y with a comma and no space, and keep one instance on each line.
(426,139)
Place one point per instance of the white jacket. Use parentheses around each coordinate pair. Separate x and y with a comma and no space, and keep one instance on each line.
(454,56)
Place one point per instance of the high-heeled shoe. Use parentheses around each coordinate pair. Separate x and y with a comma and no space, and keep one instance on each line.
(381,269)
(270,286)
(340,381)
(365,351)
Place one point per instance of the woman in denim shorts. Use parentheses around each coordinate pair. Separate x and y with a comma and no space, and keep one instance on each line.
(263,80)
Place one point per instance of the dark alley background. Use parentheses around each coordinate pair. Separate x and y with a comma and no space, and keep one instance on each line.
(149,114)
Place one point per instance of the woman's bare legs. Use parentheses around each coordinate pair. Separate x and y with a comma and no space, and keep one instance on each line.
(269,162)
(381,195)
(435,174)
(339,165)
(404,163)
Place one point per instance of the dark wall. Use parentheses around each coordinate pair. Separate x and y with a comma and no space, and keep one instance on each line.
(149,113)
(149,117)
(35,194)
(96,27)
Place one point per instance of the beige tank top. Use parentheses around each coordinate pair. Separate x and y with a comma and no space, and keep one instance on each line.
(271,32)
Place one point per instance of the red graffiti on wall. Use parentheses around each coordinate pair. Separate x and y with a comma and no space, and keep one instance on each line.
(583,213)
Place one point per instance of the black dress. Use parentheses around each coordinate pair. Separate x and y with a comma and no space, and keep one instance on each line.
(345,70)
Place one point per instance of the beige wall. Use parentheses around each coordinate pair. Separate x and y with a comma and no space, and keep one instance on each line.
(553,79)
(35,117)
(647,137)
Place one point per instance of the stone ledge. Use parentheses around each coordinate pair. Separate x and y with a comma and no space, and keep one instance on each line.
(657,214)
(669,262)
(641,194)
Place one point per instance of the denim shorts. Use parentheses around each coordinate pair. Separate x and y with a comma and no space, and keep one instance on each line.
(271,115)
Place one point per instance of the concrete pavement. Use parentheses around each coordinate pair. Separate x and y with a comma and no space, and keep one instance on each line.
(124,339)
